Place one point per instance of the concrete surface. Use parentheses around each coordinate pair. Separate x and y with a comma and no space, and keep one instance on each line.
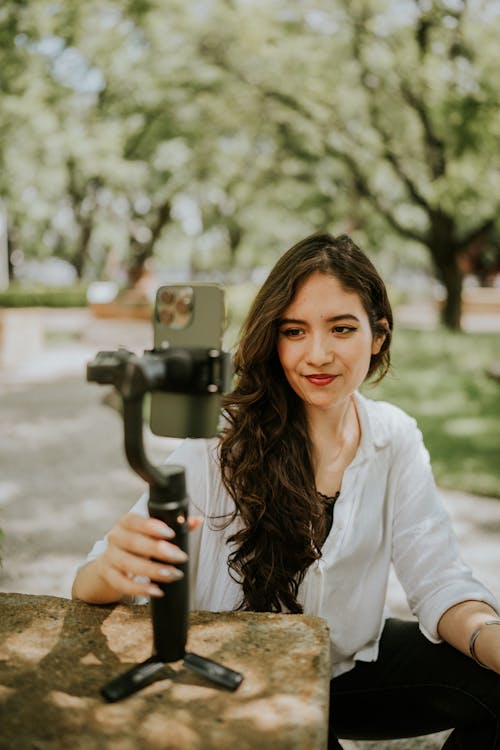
(64,478)
(56,655)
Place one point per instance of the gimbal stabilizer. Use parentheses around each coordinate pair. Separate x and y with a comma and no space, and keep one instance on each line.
(179,370)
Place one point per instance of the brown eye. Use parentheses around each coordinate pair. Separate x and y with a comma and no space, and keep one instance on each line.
(291,332)
(343,330)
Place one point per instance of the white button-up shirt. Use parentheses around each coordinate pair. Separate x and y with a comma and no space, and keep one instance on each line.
(388,511)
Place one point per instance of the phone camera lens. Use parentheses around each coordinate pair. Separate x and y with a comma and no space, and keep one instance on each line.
(166,316)
(167,297)
(183,306)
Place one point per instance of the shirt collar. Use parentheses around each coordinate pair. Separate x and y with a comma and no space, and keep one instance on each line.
(374,433)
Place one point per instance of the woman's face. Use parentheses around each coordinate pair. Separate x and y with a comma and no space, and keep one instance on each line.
(325,342)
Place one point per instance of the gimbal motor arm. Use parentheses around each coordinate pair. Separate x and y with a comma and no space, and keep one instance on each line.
(177,370)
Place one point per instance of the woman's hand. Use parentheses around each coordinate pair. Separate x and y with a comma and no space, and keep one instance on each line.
(138,547)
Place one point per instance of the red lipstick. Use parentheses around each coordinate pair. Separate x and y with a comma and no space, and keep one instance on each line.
(320,379)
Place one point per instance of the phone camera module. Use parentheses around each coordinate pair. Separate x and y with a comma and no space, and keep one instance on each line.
(175,306)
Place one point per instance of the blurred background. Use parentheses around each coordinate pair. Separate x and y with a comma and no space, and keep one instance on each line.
(144,142)
(147,137)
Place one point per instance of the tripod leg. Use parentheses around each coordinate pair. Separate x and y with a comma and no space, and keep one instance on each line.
(213,671)
(135,679)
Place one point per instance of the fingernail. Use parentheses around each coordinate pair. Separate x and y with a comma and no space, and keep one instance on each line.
(177,555)
(155,591)
(164,531)
(171,574)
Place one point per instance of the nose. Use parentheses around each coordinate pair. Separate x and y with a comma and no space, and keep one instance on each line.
(320,351)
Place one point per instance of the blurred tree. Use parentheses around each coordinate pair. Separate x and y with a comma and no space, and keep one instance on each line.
(11,67)
(44,133)
(430,103)
(212,135)
(409,105)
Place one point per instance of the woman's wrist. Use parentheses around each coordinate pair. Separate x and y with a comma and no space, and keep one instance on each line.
(484,644)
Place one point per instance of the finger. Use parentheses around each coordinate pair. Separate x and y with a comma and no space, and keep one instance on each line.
(139,565)
(194,522)
(145,525)
(130,587)
(153,526)
(147,547)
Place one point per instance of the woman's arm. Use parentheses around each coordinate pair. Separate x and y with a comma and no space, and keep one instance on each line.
(425,549)
(458,624)
(138,547)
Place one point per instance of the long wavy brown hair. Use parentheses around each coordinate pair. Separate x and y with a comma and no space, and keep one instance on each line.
(265,450)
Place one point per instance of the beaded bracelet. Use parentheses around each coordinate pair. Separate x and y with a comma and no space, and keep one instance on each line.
(473,640)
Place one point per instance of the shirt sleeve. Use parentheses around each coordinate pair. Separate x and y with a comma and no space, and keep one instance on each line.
(425,550)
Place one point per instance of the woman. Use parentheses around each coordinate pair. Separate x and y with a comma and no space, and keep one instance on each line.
(320,489)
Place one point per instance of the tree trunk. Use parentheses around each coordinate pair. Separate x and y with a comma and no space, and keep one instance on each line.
(11,246)
(235,234)
(136,266)
(445,251)
(452,278)
(141,252)
(82,252)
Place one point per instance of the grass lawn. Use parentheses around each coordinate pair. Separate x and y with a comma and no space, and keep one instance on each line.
(439,378)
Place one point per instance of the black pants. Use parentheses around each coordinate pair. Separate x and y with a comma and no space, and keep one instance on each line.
(414,688)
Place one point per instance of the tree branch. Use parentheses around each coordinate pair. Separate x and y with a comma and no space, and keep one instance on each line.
(162,218)
(360,181)
(434,145)
(389,153)
(134,142)
(417,196)
(363,188)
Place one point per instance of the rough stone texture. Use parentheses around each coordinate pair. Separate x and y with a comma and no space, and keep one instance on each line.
(56,654)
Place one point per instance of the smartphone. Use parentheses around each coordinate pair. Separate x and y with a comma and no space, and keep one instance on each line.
(187,315)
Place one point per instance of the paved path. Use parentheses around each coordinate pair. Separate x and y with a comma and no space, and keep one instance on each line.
(63,474)
(64,478)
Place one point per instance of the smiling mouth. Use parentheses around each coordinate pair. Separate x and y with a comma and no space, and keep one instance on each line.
(320,378)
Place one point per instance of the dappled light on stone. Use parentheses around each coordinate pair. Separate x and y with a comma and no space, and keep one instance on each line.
(56,655)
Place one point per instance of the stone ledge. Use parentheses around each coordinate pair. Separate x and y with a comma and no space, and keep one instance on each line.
(56,654)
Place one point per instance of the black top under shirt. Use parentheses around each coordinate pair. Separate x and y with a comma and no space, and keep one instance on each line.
(328,505)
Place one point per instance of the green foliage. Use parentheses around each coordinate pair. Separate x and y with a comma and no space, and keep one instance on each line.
(38,296)
(440,379)
(215,134)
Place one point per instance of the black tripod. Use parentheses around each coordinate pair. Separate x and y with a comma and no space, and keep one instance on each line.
(178,370)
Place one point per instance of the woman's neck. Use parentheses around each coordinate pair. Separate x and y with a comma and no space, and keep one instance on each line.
(335,436)
(327,426)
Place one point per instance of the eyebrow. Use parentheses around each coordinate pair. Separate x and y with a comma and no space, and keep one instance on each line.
(332,319)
